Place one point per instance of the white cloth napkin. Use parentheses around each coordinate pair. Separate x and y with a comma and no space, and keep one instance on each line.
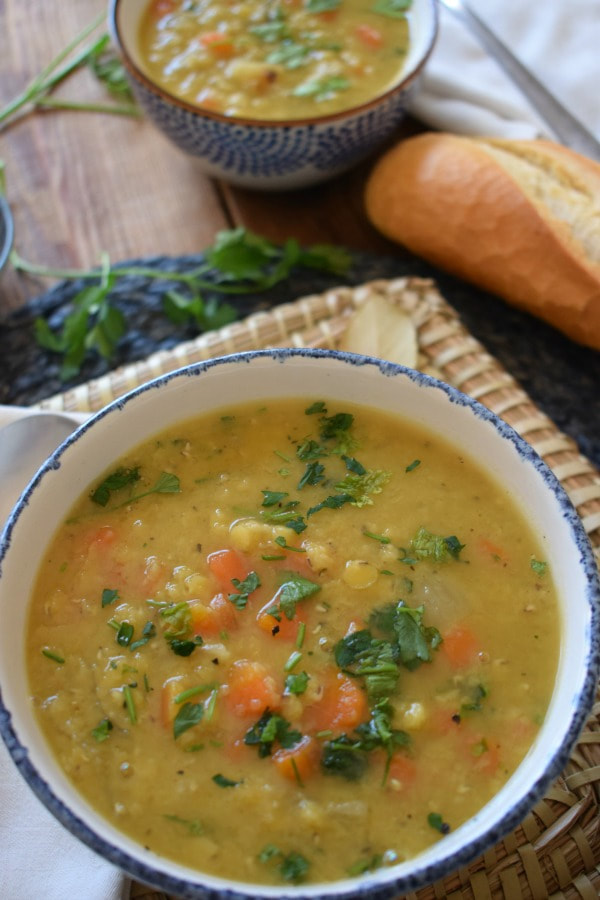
(464,91)
(39,859)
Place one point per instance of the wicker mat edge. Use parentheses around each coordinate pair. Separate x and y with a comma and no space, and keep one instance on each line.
(555,852)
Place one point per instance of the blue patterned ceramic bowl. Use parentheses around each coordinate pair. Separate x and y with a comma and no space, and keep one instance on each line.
(210,385)
(274,155)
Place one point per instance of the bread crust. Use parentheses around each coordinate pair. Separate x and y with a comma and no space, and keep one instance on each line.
(490,211)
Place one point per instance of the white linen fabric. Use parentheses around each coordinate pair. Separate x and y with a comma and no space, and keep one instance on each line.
(38,857)
(463,90)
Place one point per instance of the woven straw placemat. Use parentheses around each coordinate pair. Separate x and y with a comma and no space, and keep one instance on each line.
(555,852)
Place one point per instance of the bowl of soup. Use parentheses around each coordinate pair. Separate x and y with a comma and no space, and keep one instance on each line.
(294,624)
(275,95)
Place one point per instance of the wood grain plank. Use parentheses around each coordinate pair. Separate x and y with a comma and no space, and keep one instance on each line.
(83,183)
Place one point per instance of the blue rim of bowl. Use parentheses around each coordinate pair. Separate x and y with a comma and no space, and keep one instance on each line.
(7,231)
(375,888)
(158,91)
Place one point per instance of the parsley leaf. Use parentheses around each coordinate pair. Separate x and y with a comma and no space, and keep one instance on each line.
(334,501)
(272,498)
(291,866)
(345,758)
(436,821)
(109,596)
(117,480)
(224,782)
(538,566)
(296,684)
(360,487)
(403,625)
(427,545)
(310,449)
(313,474)
(268,730)
(102,730)
(188,716)
(244,589)
(362,655)
(294,589)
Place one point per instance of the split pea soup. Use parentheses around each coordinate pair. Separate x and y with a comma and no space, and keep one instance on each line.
(283,59)
(292,641)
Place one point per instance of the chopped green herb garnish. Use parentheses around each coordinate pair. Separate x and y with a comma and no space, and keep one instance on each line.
(194,826)
(538,566)
(369,864)
(244,589)
(129,703)
(322,88)
(320,6)
(300,635)
(478,693)
(436,821)
(272,498)
(413,465)
(319,405)
(360,487)
(293,589)
(109,596)
(334,501)
(345,758)
(426,545)
(310,449)
(296,684)
(102,731)
(53,655)
(271,32)
(313,474)
(224,782)
(293,661)
(377,537)
(281,541)
(124,634)
(268,730)
(148,631)
(353,465)
(289,54)
(394,9)
(185,648)
(117,480)
(194,691)
(188,716)
(362,655)
(291,866)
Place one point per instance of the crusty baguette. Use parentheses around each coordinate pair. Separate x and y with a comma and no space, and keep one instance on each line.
(521,219)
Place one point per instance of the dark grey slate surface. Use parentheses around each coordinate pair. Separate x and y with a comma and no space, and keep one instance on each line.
(561,377)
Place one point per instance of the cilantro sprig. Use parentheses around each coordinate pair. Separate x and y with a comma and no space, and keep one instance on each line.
(269,730)
(239,262)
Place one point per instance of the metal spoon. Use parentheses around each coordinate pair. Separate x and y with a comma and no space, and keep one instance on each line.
(566,127)
(25,443)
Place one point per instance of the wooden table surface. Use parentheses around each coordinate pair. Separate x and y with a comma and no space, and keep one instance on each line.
(80,183)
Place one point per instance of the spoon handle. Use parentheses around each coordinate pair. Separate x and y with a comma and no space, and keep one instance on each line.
(566,127)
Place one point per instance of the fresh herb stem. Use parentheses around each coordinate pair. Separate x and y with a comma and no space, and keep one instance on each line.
(51,75)
(123,109)
(129,704)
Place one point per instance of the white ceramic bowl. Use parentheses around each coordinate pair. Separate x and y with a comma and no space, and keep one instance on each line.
(273,155)
(210,385)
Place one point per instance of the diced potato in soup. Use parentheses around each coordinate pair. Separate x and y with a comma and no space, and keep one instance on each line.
(322,619)
(280,59)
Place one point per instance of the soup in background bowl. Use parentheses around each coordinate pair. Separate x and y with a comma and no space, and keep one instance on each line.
(267,604)
(275,96)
